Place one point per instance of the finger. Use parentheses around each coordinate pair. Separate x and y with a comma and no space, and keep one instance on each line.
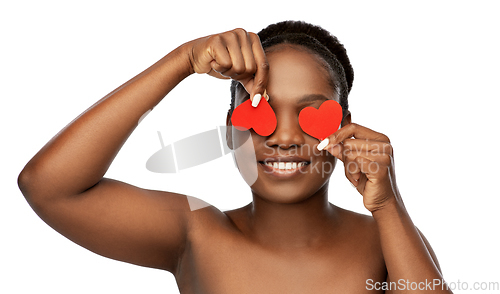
(370,167)
(237,63)
(350,177)
(351,148)
(247,85)
(234,41)
(221,60)
(358,180)
(362,145)
(352,170)
(379,158)
(356,165)
(262,71)
(356,131)
(248,56)
(336,150)
(341,153)
(361,183)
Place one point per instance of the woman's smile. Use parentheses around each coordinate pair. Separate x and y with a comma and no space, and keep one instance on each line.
(285,166)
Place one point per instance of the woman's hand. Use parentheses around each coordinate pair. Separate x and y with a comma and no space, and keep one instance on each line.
(368,163)
(236,55)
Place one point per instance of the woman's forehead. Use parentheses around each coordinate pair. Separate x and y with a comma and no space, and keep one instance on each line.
(295,74)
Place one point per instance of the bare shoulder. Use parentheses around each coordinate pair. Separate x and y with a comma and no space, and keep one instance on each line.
(356,221)
(360,231)
(207,219)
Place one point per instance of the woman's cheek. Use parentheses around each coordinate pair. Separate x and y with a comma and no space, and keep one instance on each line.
(244,156)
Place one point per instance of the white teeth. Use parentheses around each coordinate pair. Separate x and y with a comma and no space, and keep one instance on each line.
(285,165)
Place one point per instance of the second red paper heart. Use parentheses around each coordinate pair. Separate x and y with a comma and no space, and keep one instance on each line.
(322,122)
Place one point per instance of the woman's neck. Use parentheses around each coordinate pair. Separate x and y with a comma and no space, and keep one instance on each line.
(296,225)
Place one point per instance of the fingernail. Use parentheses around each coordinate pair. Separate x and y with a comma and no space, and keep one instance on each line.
(323,144)
(256,100)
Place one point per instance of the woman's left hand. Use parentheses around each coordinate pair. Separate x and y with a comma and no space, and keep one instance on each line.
(368,162)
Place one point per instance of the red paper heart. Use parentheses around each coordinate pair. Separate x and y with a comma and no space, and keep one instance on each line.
(261,119)
(322,122)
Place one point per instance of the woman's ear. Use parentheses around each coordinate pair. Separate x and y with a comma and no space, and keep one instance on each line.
(229,132)
(347,119)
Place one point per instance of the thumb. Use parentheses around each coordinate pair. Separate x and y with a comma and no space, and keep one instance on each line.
(256,92)
(335,150)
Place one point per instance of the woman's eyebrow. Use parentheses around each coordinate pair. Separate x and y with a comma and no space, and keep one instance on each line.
(312,98)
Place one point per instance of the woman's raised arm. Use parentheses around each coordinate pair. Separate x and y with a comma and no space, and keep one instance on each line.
(64,181)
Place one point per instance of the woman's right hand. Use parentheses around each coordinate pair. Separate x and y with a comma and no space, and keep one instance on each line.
(236,55)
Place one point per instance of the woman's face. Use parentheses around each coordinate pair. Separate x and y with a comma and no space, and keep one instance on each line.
(288,166)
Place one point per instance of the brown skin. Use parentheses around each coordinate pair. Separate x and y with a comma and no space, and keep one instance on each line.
(290,239)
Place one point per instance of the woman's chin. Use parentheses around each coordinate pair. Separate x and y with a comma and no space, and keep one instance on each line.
(285,193)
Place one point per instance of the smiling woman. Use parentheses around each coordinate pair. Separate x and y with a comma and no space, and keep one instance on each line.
(290,238)
(293,74)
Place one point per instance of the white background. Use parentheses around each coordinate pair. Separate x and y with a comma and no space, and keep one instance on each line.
(426,74)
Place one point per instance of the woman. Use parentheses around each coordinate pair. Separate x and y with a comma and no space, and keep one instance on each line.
(289,239)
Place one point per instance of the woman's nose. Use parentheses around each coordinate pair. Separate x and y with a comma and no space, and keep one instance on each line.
(287,134)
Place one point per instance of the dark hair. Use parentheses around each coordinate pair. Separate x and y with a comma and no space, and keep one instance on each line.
(316,40)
